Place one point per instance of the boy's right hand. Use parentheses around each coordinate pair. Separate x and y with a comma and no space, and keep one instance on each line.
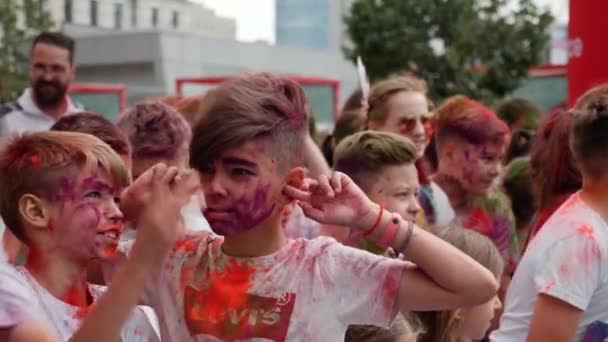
(334,200)
(154,203)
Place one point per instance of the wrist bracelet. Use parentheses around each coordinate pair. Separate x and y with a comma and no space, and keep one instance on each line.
(371,230)
(389,232)
(408,237)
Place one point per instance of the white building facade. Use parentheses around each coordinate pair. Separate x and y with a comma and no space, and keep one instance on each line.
(169,15)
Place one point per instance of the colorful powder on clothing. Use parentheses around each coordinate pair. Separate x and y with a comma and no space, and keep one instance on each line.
(586,230)
(227,290)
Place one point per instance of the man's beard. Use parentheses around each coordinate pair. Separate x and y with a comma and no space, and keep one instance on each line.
(49,93)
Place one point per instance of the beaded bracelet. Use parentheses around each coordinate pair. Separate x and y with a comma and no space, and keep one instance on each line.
(408,237)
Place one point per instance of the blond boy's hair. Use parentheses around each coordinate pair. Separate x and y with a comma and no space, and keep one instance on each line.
(362,155)
(383,90)
(442,326)
(39,163)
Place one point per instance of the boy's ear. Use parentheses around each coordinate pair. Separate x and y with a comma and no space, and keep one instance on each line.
(295,177)
(34,211)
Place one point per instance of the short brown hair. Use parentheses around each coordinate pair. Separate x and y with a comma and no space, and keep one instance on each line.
(383,90)
(590,132)
(155,130)
(362,155)
(470,120)
(97,125)
(511,110)
(348,123)
(57,39)
(36,163)
(250,107)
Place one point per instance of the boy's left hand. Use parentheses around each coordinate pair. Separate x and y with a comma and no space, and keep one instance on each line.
(334,200)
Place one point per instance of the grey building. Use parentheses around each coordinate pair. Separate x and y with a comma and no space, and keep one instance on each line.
(149,62)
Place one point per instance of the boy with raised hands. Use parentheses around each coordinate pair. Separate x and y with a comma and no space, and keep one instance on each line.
(60,197)
(252,283)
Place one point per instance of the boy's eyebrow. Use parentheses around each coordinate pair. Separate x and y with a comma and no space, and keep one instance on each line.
(239,162)
(405,188)
(96,184)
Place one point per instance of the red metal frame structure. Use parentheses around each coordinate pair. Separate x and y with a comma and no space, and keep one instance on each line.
(101,88)
(548,70)
(333,83)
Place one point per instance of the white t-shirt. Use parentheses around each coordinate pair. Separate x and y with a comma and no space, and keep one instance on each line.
(309,290)
(567,260)
(27,117)
(300,226)
(444,213)
(23,299)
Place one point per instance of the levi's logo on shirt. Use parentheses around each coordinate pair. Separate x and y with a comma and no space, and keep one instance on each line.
(231,319)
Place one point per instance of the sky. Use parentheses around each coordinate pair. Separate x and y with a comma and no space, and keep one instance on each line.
(255,18)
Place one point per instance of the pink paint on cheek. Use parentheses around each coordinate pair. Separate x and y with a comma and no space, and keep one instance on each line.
(248,212)
(90,213)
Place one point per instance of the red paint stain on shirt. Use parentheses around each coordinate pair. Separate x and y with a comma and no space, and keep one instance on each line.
(549,286)
(586,230)
(187,245)
(480,221)
(227,289)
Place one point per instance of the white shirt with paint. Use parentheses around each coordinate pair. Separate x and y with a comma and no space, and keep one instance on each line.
(23,299)
(29,118)
(310,290)
(567,260)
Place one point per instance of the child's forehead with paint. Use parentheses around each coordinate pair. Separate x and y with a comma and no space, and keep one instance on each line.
(87,179)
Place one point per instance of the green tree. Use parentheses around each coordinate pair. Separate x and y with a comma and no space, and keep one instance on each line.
(484,51)
(20,20)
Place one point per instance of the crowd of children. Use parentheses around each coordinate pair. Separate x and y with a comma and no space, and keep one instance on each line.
(219,218)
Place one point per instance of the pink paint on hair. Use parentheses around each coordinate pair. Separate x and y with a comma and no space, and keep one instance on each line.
(36,160)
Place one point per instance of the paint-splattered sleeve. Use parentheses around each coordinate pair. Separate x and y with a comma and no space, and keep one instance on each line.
(17,300)
(571,270)
(363,287)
